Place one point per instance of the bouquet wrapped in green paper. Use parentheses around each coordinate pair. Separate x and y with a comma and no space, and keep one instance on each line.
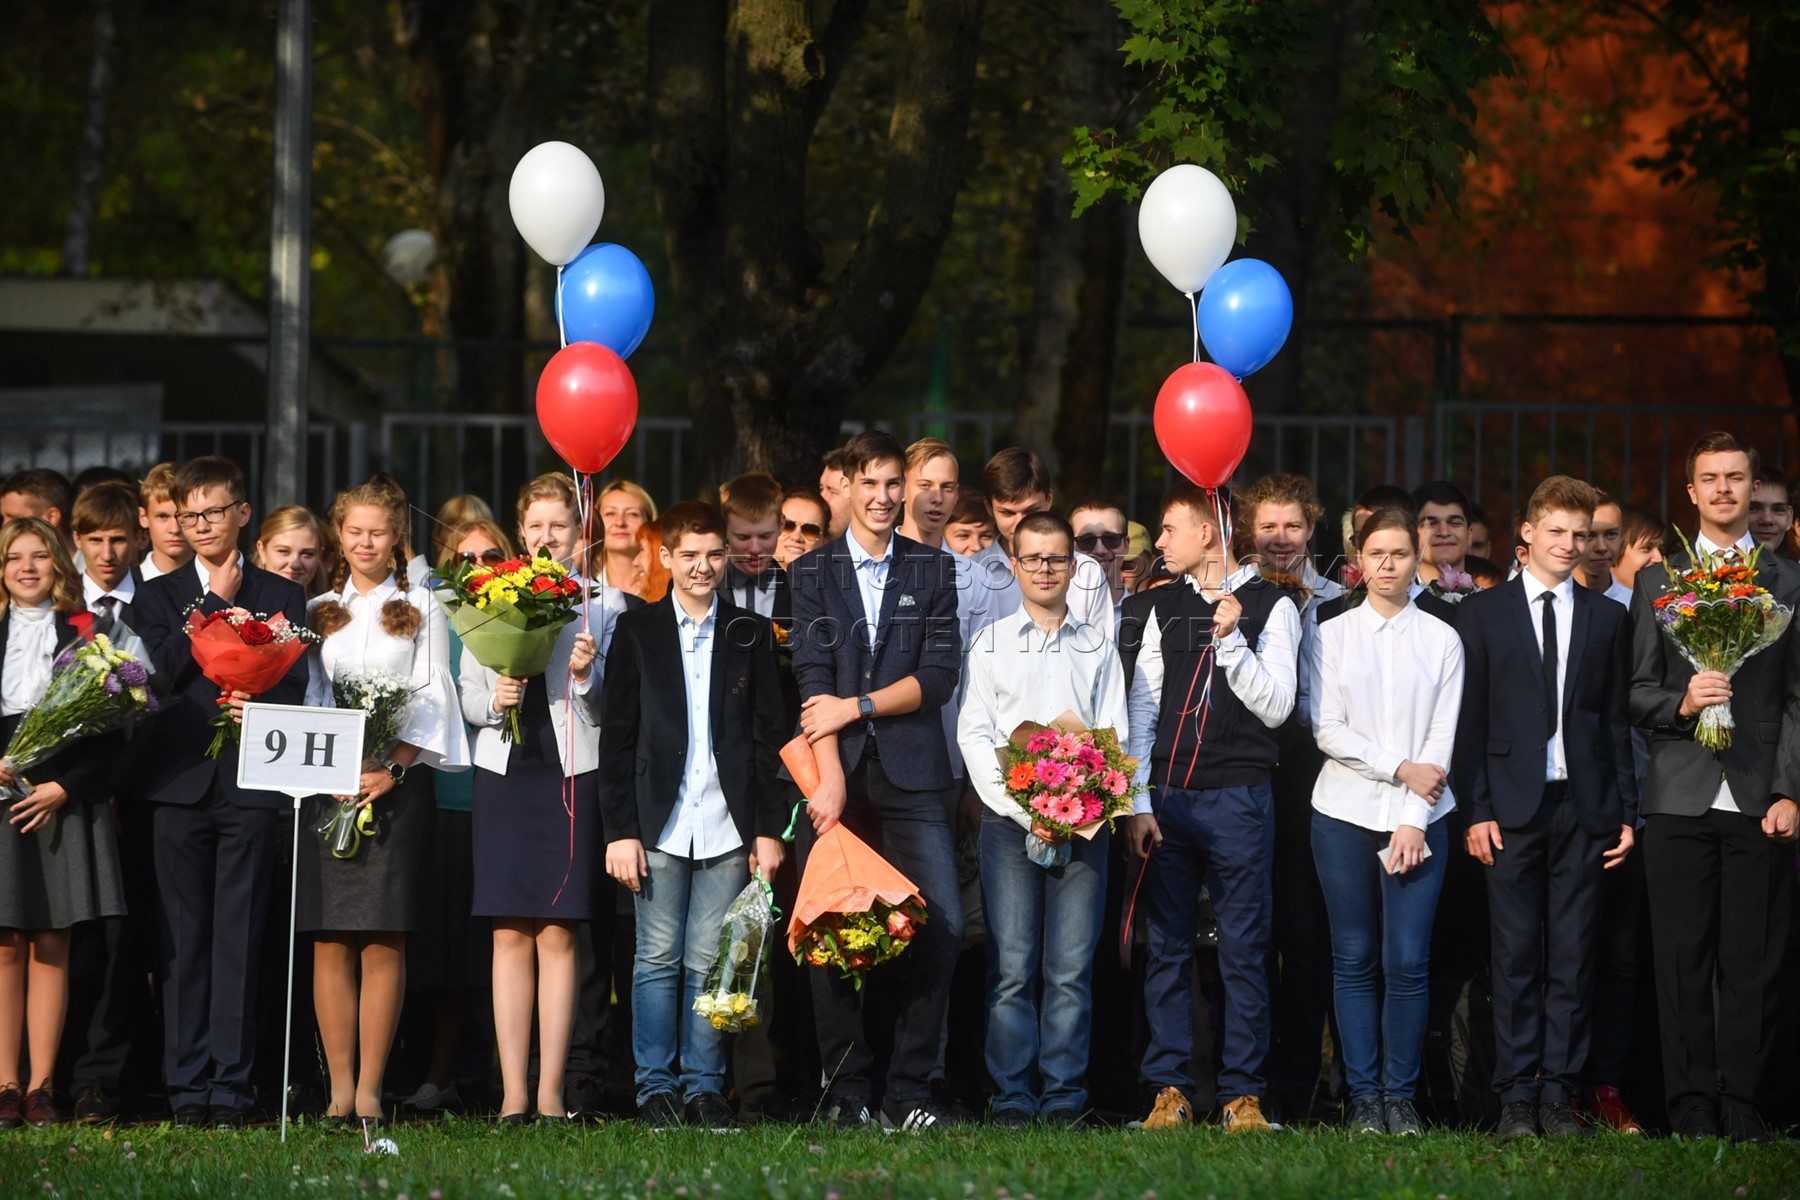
(508,614)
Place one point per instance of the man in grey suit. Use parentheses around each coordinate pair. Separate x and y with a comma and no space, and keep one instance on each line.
(1716,823)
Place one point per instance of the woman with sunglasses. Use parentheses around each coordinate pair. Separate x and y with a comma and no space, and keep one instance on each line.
(804,518)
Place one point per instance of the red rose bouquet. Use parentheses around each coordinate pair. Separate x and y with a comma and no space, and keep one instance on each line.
(1070,780)
(243,652)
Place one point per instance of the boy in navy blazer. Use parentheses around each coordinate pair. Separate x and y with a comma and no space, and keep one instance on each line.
(215,843)
(690,802)
(1543,763)
(877,654)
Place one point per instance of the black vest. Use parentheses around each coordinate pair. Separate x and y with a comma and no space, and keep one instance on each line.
(1222,743)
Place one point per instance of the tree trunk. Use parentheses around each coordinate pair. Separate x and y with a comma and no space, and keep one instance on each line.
(775,348)
(1773,102)
(1083,421)
(90,154)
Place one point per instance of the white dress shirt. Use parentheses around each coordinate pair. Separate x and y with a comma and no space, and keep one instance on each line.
(754,592)
(1388,691)
(122,595)
(206,577)
(1016,672)
(995,593)
(1618,592)
(432,719)
(1725,801)
(148,570)
(871,579)
(1322,589)
(701,826)
(30,648)
(1556,767)
(1265,680)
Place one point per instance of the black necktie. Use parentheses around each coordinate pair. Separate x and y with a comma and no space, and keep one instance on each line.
(1550,696)
(106,608)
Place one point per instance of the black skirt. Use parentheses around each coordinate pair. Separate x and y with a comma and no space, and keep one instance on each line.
(534,858)
(382,888)
(453,951)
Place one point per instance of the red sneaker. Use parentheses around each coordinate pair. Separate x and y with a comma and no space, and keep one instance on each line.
(1607,1108)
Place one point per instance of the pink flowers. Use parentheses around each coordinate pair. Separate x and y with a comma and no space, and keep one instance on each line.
(1065,808)
(1068,780)
(1053,774)
(1090,759)
(1041,743)
(1115,783)
(899,924)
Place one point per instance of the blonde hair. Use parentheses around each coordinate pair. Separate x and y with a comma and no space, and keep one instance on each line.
(288,518)
(455,513)
(158,485)
(399,618)
(65,592)
(487,525)
(551,485)
(634,491)
(925,450)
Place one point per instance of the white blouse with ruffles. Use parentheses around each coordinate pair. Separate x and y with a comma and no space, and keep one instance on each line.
(30,647)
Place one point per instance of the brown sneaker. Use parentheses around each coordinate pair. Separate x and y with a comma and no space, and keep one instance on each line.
(1244,1115)
(40,1108)
(1171,1111)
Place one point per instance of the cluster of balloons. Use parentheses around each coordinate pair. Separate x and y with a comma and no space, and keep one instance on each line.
(587,399)
(1188,224)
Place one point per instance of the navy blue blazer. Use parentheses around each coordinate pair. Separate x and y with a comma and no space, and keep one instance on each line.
(917,635)
(1497,770)
(177,768)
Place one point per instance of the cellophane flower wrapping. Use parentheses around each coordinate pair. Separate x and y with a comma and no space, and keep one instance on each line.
(1719,618)
(731,996)
(94,686)
(508,615)
(242,651)
(381,696)
(1070,780)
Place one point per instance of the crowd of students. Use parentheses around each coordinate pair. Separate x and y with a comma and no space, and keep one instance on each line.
(1359,781)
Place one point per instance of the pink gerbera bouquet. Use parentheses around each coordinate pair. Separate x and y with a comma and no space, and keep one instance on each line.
(1070,780)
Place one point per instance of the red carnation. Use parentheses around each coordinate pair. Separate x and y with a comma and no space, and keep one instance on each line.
(256,633)
(542,584)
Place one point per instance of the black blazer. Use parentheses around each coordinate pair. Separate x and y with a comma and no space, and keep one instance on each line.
(1763,760)
(1498,766)
(918,636)
(86,767)
(177,768)
(644,726)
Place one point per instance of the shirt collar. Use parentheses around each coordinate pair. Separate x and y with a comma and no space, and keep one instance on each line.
(1233,581)
(1400,621)
(1023,624)
(123,593)
(859,556)
(379,594)
(1743,545)
(1534,588)
(206,575)
(685,621)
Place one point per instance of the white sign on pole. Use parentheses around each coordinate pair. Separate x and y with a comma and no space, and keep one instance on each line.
(301,751)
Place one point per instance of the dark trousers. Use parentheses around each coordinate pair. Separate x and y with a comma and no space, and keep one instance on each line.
(590,1043)
(1300,971)
(912,831)
(1719,907)
(111,1009)
(1221,837)
(1616,971)
(214,866)
(1543,906)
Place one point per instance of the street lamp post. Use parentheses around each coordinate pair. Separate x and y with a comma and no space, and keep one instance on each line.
(290,258)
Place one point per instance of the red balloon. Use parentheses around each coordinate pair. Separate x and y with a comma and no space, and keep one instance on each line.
(1203,422)
(587,405)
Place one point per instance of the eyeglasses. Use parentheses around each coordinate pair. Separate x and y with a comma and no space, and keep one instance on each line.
(1087,541)
(806,528)
(210,516)
(493,554)
(1038,562)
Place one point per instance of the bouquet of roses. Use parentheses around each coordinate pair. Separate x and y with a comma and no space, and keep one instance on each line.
(94,686)
(1452,585)
(242,651)
(1070,779)
(381,696)
(1718,618)
(728,997)
(854,911)
(508,614)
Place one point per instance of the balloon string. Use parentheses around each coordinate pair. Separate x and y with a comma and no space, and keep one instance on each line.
(584,503)
(562,334)
(1193,305)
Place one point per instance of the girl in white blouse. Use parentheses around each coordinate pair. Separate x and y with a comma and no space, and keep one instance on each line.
(375,620)
(1388,690)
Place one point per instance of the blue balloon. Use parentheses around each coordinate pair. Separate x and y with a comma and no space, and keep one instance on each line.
(606,297)
(1246,312)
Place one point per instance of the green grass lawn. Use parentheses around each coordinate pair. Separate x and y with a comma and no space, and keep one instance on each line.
(624,1160)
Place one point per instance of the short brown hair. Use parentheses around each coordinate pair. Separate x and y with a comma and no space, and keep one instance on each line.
(1280,489)
(1391,517)
(158,485)
(551,485)
(1043,522)
(1188,495)
(812,497)
(873,446)
(106,506)
(1719,442)
(1014,473)
(209,471)
(1638,526)
(1559,493)
(971,509)
(753,496)
(690,517)
(49,488)
(836,459)
(925,450)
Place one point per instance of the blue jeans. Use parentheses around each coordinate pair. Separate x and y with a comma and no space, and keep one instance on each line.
(679,910)
(1224,838)
(1380,951)
(1043,926)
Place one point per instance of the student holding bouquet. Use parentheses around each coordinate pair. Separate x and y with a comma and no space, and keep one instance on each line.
(1043,922)
(383,631)
(215,843)
(59,854)
(537,820)
(1385,687)
(691,803)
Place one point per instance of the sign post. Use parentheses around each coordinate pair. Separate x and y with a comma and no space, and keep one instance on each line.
(302,752)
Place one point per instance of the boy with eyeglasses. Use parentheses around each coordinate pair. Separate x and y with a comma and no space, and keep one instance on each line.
(1043,922)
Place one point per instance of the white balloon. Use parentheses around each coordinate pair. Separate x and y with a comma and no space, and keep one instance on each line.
(556,199)
(1187,224)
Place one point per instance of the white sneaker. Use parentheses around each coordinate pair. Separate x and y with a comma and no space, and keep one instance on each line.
(431,1098)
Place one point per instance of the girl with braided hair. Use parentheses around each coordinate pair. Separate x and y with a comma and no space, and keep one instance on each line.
(375,619)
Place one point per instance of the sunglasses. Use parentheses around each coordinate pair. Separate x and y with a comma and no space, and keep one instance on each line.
(806,528)
(490,556)
(1087,541)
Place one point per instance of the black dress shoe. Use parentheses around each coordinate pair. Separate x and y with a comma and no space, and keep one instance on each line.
(12,1106)
(1558,1120)
(516,1120)
(1695,1123)
(1517,1120)
(94,1106)
(1742,1124)
(190,1116)
(220,1117)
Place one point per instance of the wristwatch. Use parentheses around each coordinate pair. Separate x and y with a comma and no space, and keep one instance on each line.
(865,708)
(395,771)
